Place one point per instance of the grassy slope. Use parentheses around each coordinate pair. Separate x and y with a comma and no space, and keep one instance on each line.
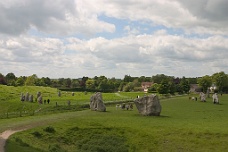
(11,106)
(184,125)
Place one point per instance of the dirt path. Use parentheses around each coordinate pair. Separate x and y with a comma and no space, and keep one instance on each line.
(4,136)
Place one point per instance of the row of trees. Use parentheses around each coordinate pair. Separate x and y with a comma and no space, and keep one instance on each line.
(161,83)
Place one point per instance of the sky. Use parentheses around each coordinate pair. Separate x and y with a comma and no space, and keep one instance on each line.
(113,38)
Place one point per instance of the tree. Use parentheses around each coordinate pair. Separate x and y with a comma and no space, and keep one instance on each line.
(82,82)
(192,80)
(163,88)
(128,78)
(172,87)
(160,77)
(54,83)
(103,85)
(205,82)
(39,82)
(10,79)
(2,79)
(60,81)
(179,89)
(74,83)
(128,87)
(90,84)
(115,83)
(20,81)
(121,86)
(31,80)
(67,82)
(220,79)
(47,81)
(185,86)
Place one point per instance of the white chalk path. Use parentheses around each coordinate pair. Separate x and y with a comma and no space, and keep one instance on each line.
(4,136)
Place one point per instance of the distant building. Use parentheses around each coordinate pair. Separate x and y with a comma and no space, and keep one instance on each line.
(146,85)
(194,88)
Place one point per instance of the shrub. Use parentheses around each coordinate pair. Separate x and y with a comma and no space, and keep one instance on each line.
(49,129)
(36,134)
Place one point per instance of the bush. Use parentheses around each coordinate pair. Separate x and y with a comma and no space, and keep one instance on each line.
(49,129)
(37,134)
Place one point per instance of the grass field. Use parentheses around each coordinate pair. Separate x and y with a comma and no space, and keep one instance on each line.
(184,125)
(11,106)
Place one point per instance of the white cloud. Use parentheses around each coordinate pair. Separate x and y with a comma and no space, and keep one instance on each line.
(59,17)
(135,55)
(203,17)
(45,37)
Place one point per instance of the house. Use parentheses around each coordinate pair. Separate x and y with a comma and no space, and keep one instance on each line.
(194,88)
(146,85)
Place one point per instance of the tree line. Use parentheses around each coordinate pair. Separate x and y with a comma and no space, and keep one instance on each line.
(161,83)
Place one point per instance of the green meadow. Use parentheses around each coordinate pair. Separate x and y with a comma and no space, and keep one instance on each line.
(184,125)
(12,107)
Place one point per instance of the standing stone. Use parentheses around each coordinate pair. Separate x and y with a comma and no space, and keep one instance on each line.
(31,98)
(72,93)
(27,96)
(68,102)
(22,97)
(40,100)
(148,105)
(202,97)
(96,102)
(59,93)
(38,95)
(215,98)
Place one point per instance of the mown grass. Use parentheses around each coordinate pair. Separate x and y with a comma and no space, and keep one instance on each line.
(184,125)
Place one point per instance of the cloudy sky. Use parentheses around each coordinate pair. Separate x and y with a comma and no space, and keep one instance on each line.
(76,38)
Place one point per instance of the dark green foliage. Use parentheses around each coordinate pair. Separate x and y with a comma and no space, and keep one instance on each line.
(18,140)
(205,82)
(98,139)
(102,143)
(55,148)
(49,129)
(221,80)
(184,84)
(36,134)
(164,87)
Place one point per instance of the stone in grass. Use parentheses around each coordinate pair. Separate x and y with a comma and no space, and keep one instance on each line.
(148,105)
(27,96)
(96,102)
(40,100)
(31,98)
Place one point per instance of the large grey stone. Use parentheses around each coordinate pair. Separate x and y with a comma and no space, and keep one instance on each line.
(202,97)
(38,94)
(31,98)
(40,99)
(148,105)
(96,102)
